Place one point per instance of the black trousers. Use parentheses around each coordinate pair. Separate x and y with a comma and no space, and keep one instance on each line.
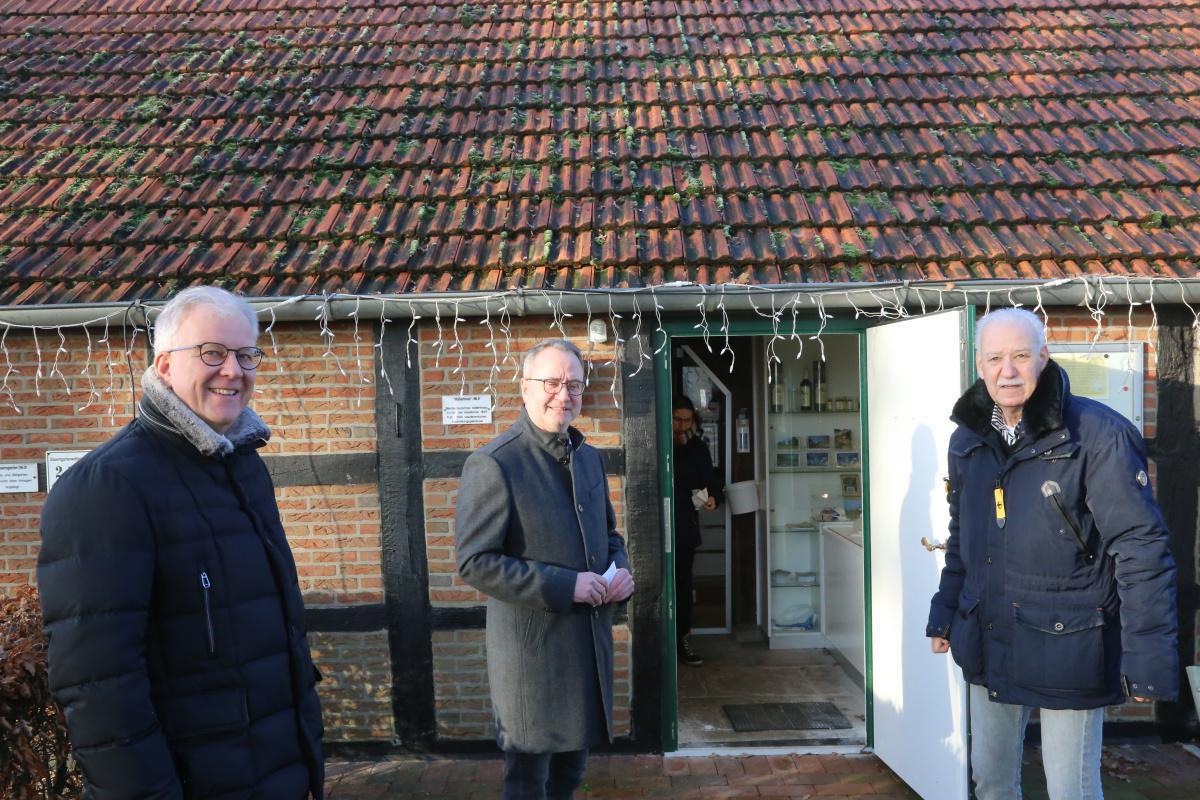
(685,559)
(543,776)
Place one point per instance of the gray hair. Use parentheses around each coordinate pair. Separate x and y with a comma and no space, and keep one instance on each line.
(550,344)
(225,304)
(1013,316)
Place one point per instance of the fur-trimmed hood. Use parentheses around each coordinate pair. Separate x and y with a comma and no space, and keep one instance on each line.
(1043,411)
(162,408)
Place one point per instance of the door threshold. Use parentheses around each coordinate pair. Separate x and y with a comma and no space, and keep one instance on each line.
(700,750)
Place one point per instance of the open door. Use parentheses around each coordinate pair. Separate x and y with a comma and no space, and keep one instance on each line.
(916,369)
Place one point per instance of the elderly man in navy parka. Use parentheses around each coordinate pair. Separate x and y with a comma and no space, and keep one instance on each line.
(176,628)
(1059,586)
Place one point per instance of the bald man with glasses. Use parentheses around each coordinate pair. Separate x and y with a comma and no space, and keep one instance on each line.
(535,531)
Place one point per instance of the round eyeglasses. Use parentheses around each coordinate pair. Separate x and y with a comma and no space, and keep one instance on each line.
(214,354)
(552,385)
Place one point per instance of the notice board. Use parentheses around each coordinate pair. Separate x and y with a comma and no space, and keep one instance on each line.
(1111,372)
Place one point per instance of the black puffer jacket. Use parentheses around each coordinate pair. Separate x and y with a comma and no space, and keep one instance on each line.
(176,627)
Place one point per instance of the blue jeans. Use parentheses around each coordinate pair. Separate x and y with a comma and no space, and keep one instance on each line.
(543,776)
(1070,749)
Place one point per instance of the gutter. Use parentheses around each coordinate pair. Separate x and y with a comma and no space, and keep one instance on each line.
(888,299)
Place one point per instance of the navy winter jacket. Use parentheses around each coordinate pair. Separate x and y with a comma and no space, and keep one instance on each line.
(174,617)
(1076,590)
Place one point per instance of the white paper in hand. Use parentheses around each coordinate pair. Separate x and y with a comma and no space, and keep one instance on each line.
(699,498)
(611,572)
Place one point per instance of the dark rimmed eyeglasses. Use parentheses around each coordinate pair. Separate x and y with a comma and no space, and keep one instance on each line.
(552,385)
(214,354)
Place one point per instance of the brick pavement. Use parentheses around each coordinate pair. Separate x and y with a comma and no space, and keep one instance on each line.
(1132,772)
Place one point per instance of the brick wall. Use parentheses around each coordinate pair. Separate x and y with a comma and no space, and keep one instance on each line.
(473,366)
(461,694)
(356,685)
(56,395)
(317,394)
(334,533)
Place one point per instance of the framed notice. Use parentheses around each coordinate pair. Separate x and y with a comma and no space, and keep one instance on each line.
(58,462)
(1110,372)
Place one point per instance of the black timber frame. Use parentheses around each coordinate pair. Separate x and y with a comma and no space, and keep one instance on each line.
(643,532)
(402,538)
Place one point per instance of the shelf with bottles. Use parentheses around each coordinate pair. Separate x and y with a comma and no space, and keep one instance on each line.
(849,407)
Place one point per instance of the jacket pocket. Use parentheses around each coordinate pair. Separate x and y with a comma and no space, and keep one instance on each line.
(966,636)
(1059,648)
(205,714)
(535,626)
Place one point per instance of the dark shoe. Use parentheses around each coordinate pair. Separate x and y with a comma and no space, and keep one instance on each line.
(687,655)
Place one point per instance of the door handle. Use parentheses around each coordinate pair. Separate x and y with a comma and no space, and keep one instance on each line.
(931,546)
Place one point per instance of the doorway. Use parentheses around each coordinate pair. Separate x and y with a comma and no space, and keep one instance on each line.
(786,667)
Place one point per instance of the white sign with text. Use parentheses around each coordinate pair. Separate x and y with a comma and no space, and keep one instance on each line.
(58,462)
(466,409)
(19,476)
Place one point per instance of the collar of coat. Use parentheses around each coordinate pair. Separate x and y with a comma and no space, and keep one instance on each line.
(163,409)
(1043,411)
(555,443)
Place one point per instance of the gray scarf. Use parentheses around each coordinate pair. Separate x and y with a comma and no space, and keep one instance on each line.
(166,410)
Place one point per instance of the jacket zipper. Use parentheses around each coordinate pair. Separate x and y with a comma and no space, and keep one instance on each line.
(206,585)
(1070,523)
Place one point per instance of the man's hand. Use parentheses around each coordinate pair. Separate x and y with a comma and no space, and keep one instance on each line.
(621,587)
(591,588)
(710,504)
(939,645)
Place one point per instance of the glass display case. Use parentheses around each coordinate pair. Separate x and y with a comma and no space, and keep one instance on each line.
(814,438)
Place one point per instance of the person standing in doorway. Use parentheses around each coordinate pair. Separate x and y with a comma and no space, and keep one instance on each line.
(177,643)
(535,531)
(696,487)
(1059,586)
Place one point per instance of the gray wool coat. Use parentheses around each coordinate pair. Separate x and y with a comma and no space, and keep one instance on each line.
(525,526)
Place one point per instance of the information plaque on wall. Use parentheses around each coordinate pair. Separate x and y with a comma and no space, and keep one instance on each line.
(466,409)
(1110,372)
(18,476)
(58,462)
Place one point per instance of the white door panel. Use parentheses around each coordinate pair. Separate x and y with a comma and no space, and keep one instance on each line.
(914,374)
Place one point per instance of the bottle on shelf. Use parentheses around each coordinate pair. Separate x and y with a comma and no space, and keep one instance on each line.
(778,396)
(806,395)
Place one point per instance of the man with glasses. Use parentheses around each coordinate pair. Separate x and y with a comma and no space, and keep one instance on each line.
(171,601)
(535,531)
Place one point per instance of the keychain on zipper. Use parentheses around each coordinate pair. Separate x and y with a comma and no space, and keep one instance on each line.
(999,494)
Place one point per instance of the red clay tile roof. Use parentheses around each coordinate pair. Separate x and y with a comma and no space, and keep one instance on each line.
(288,147)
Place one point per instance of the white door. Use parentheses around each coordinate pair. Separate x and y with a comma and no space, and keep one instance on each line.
(915,372)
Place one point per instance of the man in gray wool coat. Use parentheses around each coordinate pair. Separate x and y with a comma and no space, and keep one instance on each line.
(536,533)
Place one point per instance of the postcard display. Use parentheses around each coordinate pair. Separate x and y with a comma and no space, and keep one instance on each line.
(814,448)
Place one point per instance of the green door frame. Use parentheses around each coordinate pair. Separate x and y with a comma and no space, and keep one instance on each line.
(663,365)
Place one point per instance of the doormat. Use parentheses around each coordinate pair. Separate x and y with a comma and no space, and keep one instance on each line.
(786,717)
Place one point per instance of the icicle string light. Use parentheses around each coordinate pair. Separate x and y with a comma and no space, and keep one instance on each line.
(1094,294)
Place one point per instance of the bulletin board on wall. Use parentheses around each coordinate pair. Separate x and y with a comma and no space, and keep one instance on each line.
(1111,372)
